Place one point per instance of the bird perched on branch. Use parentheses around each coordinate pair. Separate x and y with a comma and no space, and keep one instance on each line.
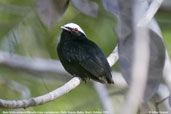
(82,57)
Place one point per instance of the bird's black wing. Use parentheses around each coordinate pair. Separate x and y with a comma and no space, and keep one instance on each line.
(88,56)
(93,62)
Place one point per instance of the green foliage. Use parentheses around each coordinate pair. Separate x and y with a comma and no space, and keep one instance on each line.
(22,32)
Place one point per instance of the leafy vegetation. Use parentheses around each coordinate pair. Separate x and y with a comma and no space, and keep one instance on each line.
(23,33)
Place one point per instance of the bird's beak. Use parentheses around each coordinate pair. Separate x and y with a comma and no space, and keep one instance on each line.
(65,28)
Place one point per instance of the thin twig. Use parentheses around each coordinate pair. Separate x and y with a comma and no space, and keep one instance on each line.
(33,65)
(22,89)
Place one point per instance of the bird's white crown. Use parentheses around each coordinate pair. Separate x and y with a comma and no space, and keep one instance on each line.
(73,26)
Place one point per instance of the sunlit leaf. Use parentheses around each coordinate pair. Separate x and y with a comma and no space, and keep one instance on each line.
(87,7)
(50,11)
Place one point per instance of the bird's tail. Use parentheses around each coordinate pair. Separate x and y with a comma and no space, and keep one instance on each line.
(106,79)
(109,80)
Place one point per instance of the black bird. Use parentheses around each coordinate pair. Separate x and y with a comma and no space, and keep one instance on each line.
(82,57)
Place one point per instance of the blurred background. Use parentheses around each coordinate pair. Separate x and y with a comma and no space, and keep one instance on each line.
(23,33)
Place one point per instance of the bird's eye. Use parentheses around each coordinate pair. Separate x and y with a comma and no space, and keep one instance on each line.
(75,30)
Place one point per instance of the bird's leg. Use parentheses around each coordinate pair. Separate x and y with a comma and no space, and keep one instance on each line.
(83,79)
(86,79)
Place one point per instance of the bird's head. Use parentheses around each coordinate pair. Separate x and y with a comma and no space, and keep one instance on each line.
(73,29)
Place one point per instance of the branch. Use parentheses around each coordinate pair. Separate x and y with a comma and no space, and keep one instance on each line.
(119,80)
(104,97)
(67,87)
(146,19)
(32,65)
(113,57)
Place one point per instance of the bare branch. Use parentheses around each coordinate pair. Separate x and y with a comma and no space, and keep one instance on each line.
(67,87)
(154,6)
(119,80)
(32,65)
(104,97)
(113,57)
